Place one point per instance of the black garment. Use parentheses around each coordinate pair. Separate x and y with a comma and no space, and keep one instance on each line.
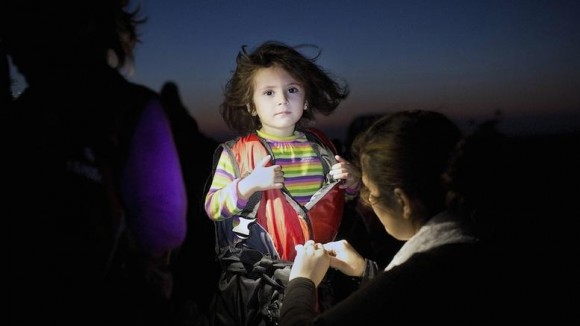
(62,225)
(447,283)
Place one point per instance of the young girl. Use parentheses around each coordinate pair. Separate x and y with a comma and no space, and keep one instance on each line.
(280,183)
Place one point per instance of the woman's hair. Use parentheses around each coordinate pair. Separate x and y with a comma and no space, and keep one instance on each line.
(323,94)
(408,150)
(47,33)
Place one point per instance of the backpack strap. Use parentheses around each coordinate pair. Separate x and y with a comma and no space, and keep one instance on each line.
(246,219)
(117,216)
(325,149)
(319,137)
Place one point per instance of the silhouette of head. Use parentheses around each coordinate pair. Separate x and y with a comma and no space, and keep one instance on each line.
(174,107)
(170,94)
(59,34)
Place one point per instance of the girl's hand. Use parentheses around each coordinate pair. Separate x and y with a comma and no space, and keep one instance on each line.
(263,177)
(345,171)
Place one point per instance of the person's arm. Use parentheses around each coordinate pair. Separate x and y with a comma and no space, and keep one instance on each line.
(222,200)
(228,195)
(382,300)
(299,306)
(152,186)
(310,265)
(377,301)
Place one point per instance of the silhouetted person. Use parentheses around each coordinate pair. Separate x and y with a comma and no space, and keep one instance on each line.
(92,156)
(196,270)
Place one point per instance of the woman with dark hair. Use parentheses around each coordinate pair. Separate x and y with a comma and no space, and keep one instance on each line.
(441,270)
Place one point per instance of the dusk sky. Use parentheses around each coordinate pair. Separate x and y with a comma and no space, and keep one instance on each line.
(464,58)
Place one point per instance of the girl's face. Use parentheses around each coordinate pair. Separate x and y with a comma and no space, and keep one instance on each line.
(279,101)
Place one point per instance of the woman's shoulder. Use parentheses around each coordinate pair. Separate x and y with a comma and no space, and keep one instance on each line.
(441,262)
(450,254)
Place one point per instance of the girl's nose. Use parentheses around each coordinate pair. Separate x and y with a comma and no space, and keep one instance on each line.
(282,99)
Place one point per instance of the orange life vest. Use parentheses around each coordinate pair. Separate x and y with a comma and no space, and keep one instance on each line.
(273,222)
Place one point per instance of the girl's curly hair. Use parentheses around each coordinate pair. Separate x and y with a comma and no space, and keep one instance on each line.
(323,93)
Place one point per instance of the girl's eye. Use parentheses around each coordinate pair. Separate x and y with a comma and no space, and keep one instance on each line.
(293,90)
(268,93)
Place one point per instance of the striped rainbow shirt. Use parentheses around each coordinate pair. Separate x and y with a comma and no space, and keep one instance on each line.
(303,175)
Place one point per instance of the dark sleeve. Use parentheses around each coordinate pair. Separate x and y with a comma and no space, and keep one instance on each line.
(299,306)
(365,306)
(371,270)
(152,186)
(423,289)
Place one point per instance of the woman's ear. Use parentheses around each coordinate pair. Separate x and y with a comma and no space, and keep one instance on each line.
(404,201)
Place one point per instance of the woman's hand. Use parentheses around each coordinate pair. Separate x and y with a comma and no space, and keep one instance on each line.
(311,262)
(345,258)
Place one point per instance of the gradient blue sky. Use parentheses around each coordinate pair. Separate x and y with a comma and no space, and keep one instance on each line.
(465,58)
